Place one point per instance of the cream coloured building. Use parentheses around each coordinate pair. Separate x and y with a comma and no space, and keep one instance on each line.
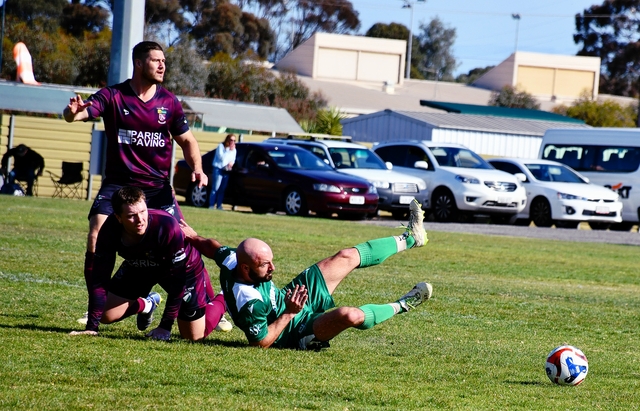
(549,77)
(327,56)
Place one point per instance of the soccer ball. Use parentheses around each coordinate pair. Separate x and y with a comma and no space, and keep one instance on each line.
(566,365)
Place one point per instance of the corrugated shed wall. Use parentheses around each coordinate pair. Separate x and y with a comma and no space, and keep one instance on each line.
(386,126)
(491,144)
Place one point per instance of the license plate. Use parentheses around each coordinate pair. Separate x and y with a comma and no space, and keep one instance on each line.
(602,210)
(406,199)
(356,200)
(503,200)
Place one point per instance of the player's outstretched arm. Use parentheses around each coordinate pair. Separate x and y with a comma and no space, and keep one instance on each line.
(76,110)
(206,246)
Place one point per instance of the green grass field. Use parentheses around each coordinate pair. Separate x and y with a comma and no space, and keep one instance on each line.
(500,305)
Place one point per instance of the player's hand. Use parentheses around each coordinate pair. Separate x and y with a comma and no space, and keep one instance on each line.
(76,105)
(296,299)
(85,332)
(200,177)
(159,334)
(187,230)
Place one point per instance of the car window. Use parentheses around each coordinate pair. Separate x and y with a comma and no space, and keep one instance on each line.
(394,154)
(505,166)
(547,172)
(346,157)
(458,157)
(298,159)
(417,154)
(257,159)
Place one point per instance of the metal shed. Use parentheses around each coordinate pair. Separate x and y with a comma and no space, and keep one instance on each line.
(487,135)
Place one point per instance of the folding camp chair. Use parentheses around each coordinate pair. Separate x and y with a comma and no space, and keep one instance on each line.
(71,183)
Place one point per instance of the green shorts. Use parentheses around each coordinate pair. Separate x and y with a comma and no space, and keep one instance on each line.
(320,300)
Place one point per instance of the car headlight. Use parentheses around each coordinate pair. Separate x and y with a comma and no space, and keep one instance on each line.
(467,179)
(565,196)
(372,189)
(422,185)
(327,188)
(380,184)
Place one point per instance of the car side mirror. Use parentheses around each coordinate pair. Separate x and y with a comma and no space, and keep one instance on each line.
(389,165)
(421,164)
(521,177)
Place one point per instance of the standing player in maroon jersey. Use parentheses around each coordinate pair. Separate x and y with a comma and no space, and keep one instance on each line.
(154,252)
(141,118)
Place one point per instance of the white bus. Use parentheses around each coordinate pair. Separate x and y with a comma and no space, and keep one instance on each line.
(607,156)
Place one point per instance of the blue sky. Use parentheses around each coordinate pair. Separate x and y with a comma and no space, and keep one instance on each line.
(486,31)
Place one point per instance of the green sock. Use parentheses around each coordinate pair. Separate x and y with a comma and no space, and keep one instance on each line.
(374,314)
(373,252)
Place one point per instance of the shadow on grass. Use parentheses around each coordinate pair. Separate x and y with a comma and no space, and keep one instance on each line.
(140,337)
(523,382)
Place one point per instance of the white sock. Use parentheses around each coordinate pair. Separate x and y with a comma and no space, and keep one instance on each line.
(148,305)
(397,308)
(401,242)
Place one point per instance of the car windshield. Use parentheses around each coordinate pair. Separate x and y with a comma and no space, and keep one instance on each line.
(344,157)
(552,172)
(298,159)
(458,157)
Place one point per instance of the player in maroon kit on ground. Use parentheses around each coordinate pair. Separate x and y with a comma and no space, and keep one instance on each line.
(140,118)
(154,252)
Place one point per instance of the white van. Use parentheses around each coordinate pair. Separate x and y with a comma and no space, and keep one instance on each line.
(607,156)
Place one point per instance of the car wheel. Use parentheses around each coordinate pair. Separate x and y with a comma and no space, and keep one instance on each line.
(444,206)
(198,196)
(260,209)
(294,203)
(541,213)
(621,227)
(567,224)
(599,226)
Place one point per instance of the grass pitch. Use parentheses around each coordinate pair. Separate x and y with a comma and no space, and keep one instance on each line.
(500,305)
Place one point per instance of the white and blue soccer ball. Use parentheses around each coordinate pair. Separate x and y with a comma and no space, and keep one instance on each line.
(566,365)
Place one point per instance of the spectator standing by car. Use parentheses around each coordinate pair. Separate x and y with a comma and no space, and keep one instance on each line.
(222,164)
(28,165)
(141,119)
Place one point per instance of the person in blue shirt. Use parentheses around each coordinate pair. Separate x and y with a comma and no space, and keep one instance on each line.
(222,165)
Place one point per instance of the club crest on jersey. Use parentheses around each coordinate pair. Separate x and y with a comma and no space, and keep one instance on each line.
(162,115)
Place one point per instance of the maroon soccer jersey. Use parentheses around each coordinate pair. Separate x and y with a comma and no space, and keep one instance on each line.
(161,257)
(138,133)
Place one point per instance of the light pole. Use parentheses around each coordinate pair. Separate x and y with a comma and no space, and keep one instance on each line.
(408,4)
(516,17)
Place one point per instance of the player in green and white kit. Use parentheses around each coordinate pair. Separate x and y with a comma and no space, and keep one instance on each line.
(300,315)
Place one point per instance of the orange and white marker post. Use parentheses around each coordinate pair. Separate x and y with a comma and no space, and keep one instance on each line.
(25,66)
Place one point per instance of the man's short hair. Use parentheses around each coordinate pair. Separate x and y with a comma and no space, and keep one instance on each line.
(143,48)
(126,196)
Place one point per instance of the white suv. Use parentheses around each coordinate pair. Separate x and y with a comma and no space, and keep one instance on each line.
(396,190)
(461,182)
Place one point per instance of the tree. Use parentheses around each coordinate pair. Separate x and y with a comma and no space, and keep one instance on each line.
(224,27)
(186,72)
(398,31)
(607,113)
(610,31)
(295,21)
(327,122)
(233,79)
(436,43)
(509,96)
(473,75)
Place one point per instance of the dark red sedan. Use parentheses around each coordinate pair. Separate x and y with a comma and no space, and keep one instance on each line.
(273,177)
